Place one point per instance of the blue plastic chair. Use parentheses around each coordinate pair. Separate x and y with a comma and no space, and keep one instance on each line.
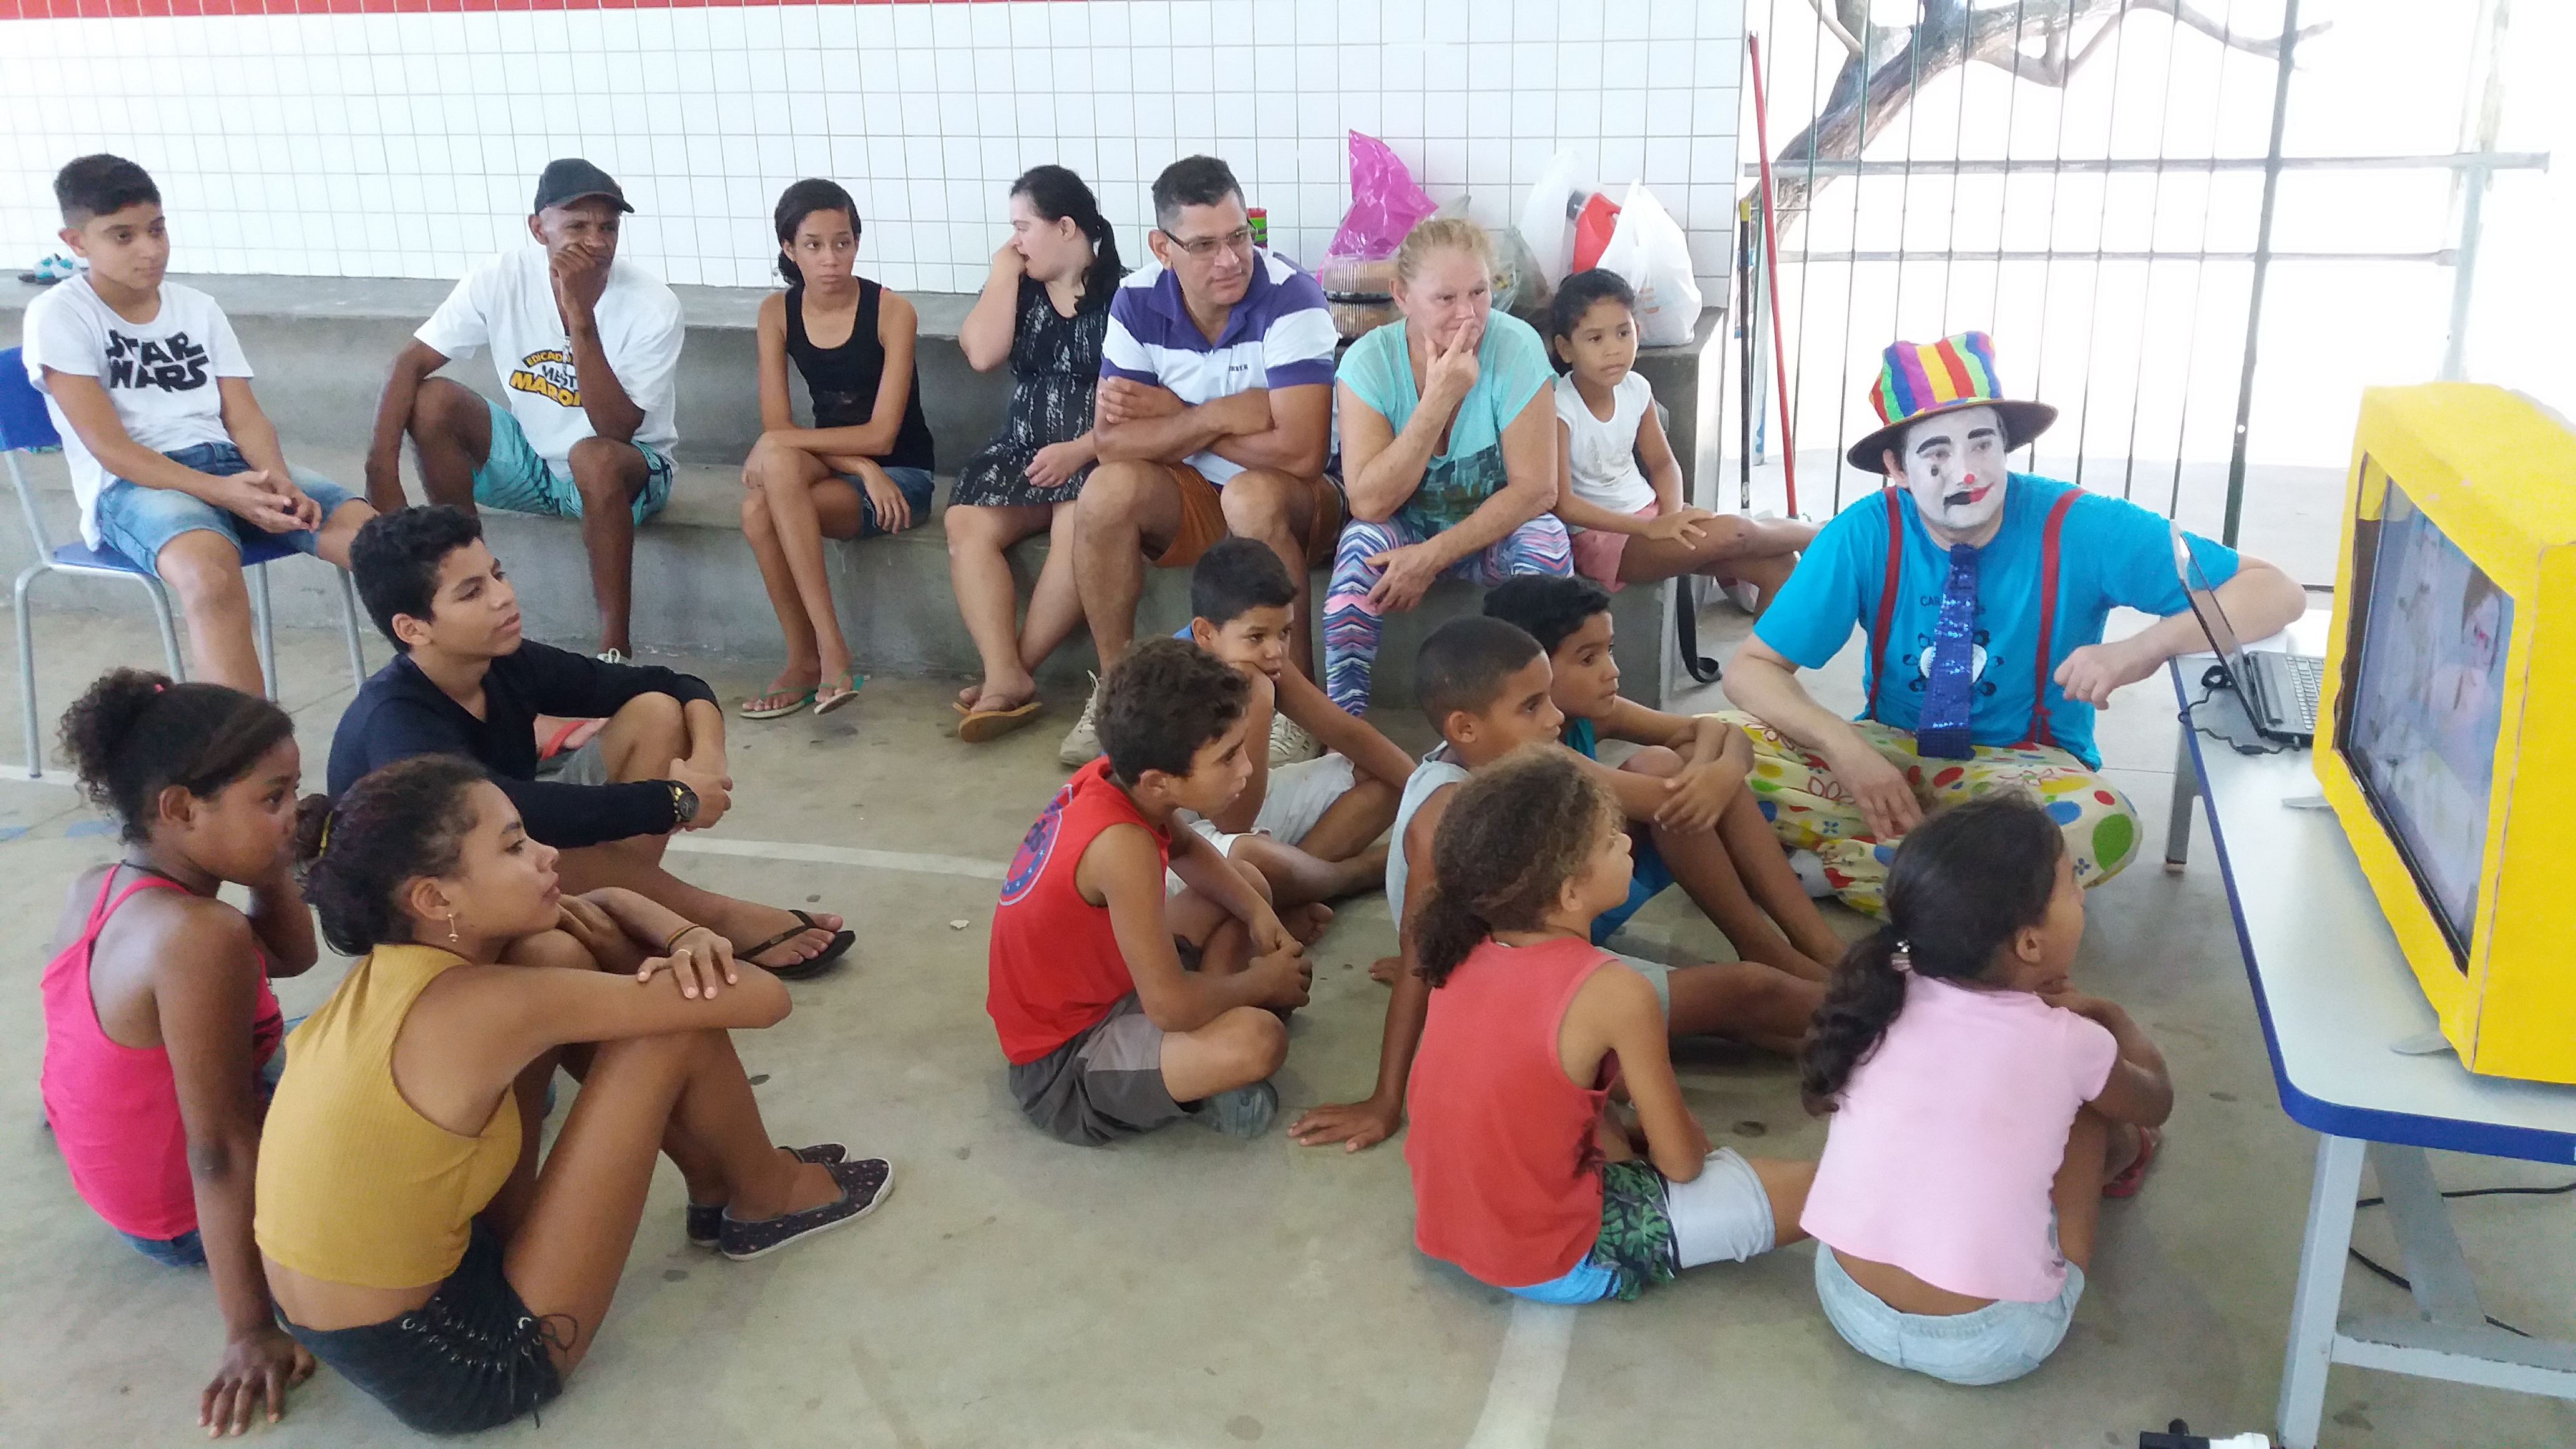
(25,427)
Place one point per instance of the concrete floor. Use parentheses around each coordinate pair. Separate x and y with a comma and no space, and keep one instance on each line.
(1189,1290)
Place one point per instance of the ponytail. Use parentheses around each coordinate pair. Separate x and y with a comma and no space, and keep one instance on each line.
(1963,884)
(1055,193)
(1866,993)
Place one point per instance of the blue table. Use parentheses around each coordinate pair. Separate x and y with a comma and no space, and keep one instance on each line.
(2336,1001)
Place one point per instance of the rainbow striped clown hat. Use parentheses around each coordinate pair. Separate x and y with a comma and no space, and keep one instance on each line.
(1918,380)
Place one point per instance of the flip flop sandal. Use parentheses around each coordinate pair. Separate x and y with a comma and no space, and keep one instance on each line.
(833,950)
(753,709)
(991,724)
(2133,1176)
(847,690)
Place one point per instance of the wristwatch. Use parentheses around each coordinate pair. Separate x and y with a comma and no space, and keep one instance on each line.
(684,803)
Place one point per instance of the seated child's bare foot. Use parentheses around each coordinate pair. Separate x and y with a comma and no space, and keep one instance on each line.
(1306,922)
(1384,969)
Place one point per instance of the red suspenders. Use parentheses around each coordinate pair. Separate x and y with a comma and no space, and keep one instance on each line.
(2039,732)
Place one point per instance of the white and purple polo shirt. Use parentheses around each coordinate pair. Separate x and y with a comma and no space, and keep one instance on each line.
(1280,335)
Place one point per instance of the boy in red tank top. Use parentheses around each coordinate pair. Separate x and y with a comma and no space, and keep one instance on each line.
(1109,1033)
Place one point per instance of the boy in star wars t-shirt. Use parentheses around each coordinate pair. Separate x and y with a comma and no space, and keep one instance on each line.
(175,467)
(587,351)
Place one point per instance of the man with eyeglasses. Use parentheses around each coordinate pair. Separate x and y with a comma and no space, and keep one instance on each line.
(1214,417)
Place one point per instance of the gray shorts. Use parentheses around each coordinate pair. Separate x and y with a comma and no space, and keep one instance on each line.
(1104,1084)
(1658,975)
(585,766)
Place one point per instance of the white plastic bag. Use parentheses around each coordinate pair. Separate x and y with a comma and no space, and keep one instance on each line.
(1547,217)
(1649,250)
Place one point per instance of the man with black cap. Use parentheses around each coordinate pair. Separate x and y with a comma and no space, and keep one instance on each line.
(1982,594)
(587,349)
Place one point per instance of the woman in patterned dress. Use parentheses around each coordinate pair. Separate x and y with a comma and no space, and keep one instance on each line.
(1044,308)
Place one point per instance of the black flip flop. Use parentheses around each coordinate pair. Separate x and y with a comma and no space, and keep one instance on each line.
(832,950)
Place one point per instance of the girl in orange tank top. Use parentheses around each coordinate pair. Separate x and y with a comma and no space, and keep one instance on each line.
(1523,1175)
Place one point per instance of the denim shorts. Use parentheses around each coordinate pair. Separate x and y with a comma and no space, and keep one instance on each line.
(187,1250)
(1997,1343)
(139,522)
(516,477)
(912,483)
(470,1358)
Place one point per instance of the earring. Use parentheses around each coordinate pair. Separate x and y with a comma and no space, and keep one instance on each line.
(452,937)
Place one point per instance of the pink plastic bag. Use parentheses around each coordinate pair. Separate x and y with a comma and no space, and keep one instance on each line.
(1384,202)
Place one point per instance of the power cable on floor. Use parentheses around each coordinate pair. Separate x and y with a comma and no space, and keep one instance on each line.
(2399,1279)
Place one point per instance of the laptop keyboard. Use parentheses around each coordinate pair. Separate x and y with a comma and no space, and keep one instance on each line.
(2299,676)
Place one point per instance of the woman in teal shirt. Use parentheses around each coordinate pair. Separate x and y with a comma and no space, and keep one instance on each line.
(1448,450)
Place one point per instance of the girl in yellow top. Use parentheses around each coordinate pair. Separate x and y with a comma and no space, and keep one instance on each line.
(411,1240)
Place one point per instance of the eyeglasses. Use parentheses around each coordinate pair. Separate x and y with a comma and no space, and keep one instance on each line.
(1238,240)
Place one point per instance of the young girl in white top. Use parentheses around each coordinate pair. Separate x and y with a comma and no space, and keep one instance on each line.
(1628,524)
(1982,1109)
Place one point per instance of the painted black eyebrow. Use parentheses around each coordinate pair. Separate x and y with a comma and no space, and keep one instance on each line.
(1939,440)
(1982,432)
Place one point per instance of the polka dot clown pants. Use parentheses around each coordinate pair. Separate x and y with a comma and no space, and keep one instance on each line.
(1811,810)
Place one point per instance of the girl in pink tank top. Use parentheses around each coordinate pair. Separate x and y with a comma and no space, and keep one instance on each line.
(1522,1174)
(158,1015)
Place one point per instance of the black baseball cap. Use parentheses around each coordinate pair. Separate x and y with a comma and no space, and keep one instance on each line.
(571,179)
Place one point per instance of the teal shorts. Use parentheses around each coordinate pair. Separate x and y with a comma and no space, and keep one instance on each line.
(515,477)
(1648,877)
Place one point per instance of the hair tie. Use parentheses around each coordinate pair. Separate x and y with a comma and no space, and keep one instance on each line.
(1903,959)
(324,844)
(159,686)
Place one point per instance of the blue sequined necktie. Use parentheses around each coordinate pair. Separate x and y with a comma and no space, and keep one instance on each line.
(1942,730)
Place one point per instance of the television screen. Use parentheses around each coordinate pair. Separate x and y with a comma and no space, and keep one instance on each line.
(2425,706)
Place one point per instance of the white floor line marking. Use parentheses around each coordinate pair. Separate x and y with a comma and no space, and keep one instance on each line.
(1520,1404)
(61,779)
(905,860)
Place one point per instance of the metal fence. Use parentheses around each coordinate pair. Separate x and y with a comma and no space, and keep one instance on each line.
(2197,234)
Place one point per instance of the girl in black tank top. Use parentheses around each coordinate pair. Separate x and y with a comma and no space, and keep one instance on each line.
(844,379)
(862,469)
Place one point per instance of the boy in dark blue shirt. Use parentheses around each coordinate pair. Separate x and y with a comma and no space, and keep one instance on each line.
(464,682)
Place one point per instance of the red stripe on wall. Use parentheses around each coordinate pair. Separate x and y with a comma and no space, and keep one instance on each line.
(115,9)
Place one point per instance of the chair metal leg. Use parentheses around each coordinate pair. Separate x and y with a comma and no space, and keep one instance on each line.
(169,628)
(349,624)
(27,673)
(267,637)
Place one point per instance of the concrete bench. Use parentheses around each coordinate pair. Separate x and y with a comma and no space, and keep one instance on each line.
(321,345)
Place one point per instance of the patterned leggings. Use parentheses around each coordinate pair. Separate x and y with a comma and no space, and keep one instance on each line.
(1809,809)
(1352,624)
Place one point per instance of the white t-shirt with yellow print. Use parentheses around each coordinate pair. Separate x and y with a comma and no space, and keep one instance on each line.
(508,304)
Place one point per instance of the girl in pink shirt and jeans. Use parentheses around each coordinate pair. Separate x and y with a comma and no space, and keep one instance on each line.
(1982,1109)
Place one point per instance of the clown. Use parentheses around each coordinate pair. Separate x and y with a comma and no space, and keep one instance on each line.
(1983,593)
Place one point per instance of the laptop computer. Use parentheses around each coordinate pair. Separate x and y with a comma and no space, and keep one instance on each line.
(2279,690)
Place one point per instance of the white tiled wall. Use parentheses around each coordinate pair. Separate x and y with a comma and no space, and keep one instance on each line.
(407,144)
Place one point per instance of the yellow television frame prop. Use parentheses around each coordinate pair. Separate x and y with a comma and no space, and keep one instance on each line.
(2495,473)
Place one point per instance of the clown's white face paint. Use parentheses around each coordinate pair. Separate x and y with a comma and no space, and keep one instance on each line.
(1954,467)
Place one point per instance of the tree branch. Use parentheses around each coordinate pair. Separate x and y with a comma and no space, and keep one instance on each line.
(1834,27)
(2267,47)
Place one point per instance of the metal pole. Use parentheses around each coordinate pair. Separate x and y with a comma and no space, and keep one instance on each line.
(2262,267)
(2472,181)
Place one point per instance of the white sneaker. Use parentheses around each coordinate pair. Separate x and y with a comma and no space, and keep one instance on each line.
(1082,743)
(1811,873)
(1290,743)
(1742,594)
(614,656)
